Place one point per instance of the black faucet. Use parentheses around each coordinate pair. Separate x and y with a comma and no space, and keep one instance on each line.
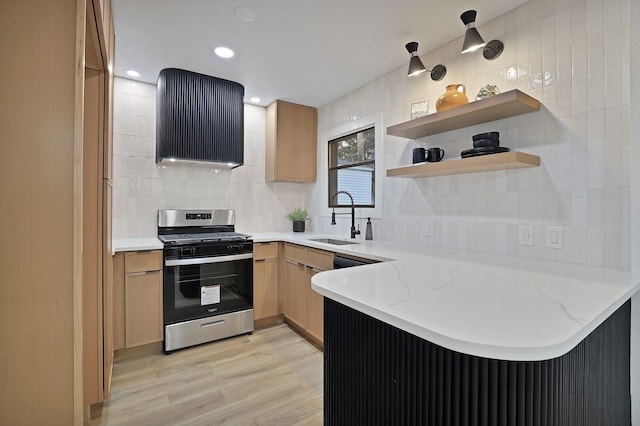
(354,231)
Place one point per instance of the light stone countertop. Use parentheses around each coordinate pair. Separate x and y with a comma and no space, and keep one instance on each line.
(135,244)
(499,307)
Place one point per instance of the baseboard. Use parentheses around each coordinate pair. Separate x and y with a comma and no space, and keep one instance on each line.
(303,333)
(150,348)
(267,322)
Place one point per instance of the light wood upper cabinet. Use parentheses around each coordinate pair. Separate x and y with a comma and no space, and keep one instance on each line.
(291,143)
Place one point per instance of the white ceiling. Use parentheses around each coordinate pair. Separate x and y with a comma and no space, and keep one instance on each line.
(303,51)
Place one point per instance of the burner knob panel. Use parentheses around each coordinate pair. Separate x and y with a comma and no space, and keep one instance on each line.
(186,251)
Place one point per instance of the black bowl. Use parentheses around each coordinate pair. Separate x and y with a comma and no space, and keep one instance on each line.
(488,135)
(486,143)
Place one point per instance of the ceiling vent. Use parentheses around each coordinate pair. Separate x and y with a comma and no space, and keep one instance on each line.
(199,118)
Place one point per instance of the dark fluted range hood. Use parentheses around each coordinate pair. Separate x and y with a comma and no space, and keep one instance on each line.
(199,118)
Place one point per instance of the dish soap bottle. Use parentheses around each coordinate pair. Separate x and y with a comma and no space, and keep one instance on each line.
(369,231)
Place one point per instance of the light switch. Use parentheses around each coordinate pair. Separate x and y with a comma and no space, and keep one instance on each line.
(554,237)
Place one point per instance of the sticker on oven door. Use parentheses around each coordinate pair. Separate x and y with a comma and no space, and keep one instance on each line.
(209,294)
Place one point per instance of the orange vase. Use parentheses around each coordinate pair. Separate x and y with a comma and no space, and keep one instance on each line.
(455,95)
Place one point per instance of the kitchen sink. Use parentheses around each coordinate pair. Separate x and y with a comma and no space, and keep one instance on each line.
(333,241)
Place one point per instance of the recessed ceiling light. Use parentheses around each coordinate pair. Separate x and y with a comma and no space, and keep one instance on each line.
(224,52)
(133,73)
(255,99)
(244,14)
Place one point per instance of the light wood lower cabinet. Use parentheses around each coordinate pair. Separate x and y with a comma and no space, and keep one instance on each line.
(315,309)
(304,308)
(143,308)
(296,288)
(137,298)
(265,281)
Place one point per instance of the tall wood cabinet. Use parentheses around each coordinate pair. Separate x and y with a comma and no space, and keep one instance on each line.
(291,143)
(55,121)
(96,202)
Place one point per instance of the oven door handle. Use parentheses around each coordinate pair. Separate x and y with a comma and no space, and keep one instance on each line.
(205,260)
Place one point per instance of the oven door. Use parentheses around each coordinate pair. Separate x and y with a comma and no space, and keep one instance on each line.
(201,287)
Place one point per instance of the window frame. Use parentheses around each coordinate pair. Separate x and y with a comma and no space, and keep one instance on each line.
(333,201)
(353,125)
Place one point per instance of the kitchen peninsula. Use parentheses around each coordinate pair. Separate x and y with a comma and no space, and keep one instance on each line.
(446,337)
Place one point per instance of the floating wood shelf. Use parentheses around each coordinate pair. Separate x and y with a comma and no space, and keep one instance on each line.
(483,163)
(508,104)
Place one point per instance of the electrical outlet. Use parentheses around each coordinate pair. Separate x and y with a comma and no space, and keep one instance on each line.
(525,235)
(398,227)
(554,237)
(429,230)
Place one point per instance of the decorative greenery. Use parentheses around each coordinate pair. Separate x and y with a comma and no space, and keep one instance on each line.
(298,214)
(486,91)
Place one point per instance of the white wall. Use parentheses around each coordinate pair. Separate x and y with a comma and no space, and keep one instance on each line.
(141,187)
(572,55)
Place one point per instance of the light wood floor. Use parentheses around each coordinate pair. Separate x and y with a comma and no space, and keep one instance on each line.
(273,377)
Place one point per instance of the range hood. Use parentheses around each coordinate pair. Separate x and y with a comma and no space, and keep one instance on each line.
(199,118)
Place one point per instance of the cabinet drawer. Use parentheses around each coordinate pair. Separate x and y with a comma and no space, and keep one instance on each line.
(139,261)
(320,259)
(265,250)
(297,253)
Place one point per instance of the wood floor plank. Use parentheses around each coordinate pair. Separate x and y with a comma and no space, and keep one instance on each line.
(273,377)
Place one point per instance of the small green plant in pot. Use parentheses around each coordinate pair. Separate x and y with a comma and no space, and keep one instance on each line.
(298,216)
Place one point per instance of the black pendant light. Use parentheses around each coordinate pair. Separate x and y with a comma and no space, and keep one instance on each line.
(472,38)
(415,64)
(474,41)
(417,67)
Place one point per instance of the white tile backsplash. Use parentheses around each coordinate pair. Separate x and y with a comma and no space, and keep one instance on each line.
(572,55)
(141,187)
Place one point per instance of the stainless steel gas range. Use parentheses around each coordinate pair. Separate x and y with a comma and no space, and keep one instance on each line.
(208,277)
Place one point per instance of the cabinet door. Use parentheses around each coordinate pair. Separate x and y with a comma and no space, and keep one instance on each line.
(143,308)
(265,288)
(315,308)
(288,145)
(291,138)
(118,302)
(295,305)
(306,119)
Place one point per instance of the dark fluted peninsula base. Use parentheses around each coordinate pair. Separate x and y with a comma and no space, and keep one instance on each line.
(376,374)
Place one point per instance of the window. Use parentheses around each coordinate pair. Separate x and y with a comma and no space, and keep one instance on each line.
(352,167)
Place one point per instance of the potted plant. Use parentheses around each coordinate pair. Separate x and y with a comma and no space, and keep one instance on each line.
(298,216)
